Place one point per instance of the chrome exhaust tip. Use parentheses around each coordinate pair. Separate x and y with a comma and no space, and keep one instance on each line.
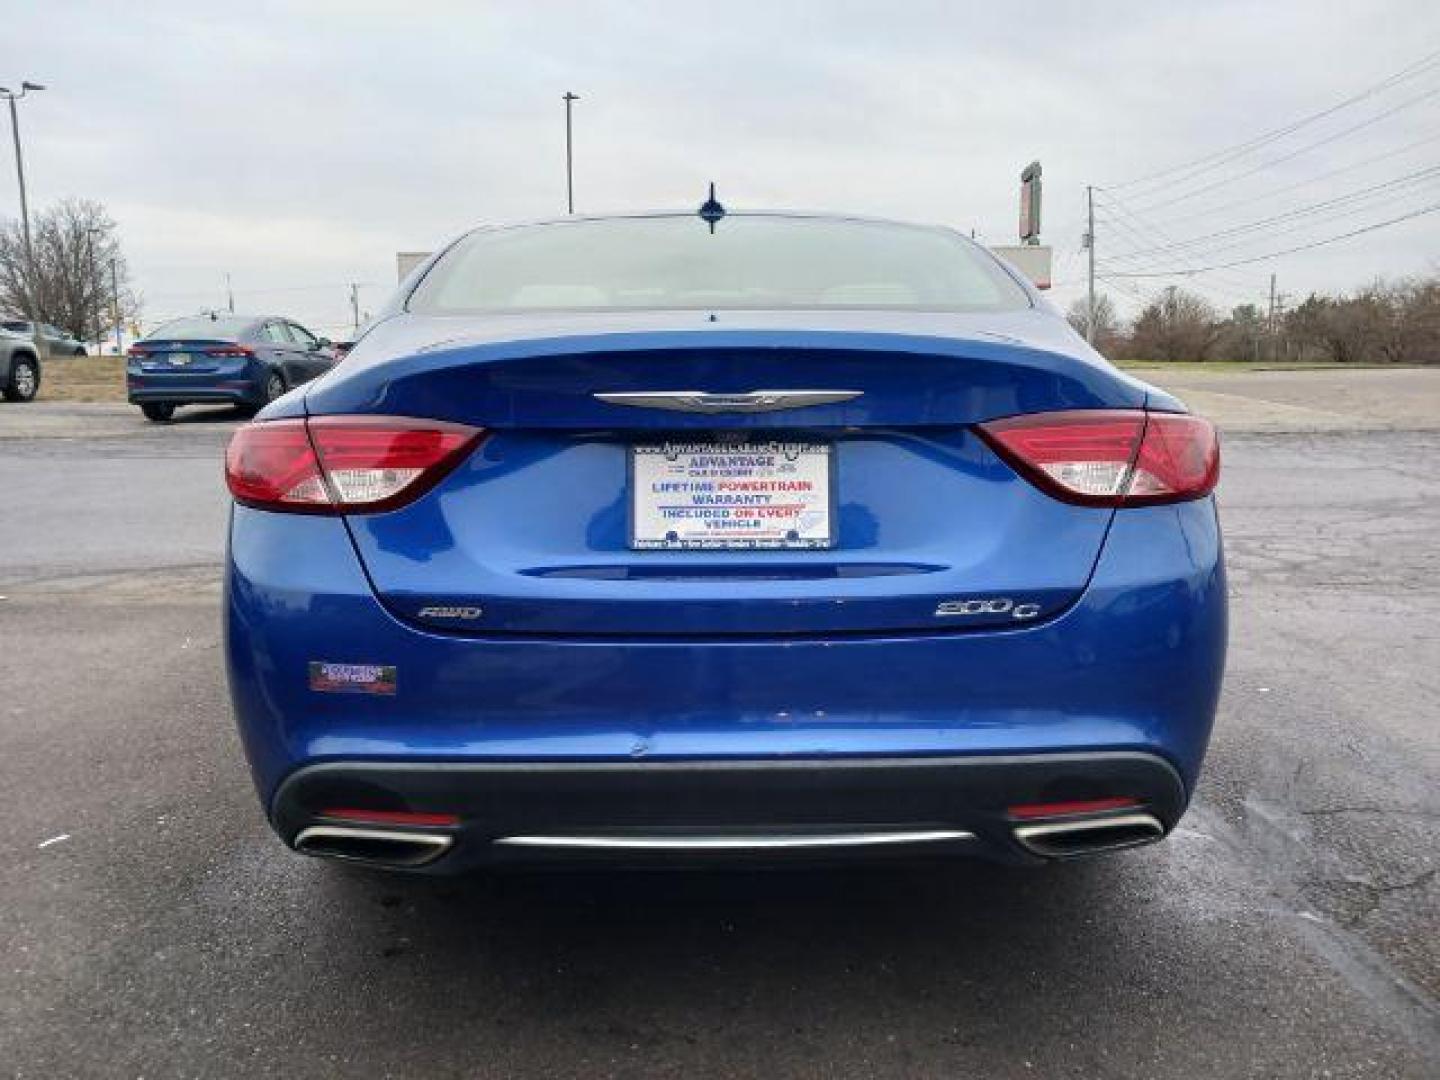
(1089,836)
(375,847)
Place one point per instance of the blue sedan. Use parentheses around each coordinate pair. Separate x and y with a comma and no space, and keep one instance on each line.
(680,538)
(238,360)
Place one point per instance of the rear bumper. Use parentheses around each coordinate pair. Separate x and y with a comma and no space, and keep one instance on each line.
(193,390)
(519,735)
(699,811)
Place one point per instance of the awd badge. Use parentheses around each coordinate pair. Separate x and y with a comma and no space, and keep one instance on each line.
(450,611)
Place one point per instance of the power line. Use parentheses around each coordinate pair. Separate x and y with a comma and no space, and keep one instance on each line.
(1224,180)
(1211,251)
(1145,223)
(1306,182)
(1234,288)
(1234,251)
(1224,296)
(1288,251)
(1221,157)
(1360,194)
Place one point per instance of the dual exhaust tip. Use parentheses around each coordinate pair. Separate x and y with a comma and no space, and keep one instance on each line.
(1089,836)
(376,847)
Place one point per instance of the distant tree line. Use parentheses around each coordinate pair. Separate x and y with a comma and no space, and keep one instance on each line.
(1389,322)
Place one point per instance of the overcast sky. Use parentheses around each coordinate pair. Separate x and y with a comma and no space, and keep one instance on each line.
(299,146)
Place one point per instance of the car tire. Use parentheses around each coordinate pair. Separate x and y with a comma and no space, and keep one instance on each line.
(274,386)
(159,413)
(81,352)
(24,381)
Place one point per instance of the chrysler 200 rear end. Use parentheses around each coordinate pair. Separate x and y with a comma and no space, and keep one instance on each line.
(633,538)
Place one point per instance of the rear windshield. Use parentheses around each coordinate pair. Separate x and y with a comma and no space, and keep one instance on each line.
(12,324)
(202,328)
(748,262)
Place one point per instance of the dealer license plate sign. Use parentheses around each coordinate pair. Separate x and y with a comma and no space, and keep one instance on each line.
(731,495)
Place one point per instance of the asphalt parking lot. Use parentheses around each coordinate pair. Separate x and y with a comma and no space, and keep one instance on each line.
(152,926)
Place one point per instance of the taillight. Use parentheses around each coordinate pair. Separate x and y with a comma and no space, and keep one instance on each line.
(1111,457)
(342,464)
(238,351)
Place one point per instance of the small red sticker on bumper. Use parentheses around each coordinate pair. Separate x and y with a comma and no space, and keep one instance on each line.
(328,678)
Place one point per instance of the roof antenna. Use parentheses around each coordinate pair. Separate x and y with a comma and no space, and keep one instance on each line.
(710,210)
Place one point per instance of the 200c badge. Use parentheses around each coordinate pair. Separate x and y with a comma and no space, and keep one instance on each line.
(999,605)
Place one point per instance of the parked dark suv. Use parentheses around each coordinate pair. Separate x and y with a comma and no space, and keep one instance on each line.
(241,360)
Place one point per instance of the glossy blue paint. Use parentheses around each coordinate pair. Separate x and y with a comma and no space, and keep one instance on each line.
(235,380)
(588,651)
(551,382)
(961,525)
(1135,664)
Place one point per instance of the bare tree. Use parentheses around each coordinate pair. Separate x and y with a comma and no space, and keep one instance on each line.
(1340,329)
(1404,319)
(67,276)
(1108,329)
(1418,321)
(1242,336)
(1176,326)
(1395,322)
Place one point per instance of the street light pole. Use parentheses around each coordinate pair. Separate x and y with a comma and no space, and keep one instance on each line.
(13,97)
(570,100)
(1090,276)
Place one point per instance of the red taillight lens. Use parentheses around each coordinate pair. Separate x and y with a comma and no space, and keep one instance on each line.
(229,351)
(1179,459)
(1111,457)
(273,466)
(342,464)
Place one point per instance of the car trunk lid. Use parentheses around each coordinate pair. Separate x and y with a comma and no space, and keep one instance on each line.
(536,532)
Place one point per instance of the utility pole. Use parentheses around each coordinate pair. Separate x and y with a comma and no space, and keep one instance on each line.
(570,100)
(1090,249)
(12,97)
(1270,322)
(96,284)
(229,292)
(355,306)
(115,306)
(1281,345)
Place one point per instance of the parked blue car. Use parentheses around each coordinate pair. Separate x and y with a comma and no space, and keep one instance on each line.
(239,360)
(762,536)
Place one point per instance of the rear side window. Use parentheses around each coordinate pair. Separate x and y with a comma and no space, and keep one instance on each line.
(749,262)
(277,333)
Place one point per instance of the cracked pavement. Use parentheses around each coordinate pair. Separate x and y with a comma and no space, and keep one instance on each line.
(152,926)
